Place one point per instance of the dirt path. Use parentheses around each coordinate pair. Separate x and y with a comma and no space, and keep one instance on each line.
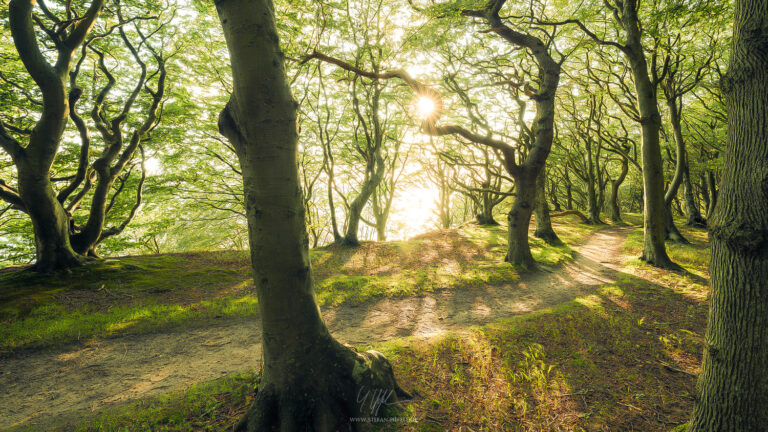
(44,388)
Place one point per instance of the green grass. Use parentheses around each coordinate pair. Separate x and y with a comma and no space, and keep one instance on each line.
(693,258)
(135,295)
(619,358)
(210,406)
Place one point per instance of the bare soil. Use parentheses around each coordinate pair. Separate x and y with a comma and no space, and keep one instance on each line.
(56,387)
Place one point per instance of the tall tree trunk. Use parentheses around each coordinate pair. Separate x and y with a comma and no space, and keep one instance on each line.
(670,230)
(309,381)
(654,249)
(692,211)
(331,206)
(732,388)
(592,183)
(568,192)
(544,229)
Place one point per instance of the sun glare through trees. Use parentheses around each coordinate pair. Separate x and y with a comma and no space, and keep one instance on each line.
(369,215)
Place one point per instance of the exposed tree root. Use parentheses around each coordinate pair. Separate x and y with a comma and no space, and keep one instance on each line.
(354,386)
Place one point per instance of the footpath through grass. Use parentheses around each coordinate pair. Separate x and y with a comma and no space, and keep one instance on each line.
(142,294)
(621,358)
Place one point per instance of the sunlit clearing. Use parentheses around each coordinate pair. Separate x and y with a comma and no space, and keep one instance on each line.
(153,166)
(425,106)
(413,212)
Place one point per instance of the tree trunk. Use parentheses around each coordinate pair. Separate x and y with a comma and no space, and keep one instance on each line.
(87,239)
(732,388)
(593,210)
(544,229)
(555,202)
(485,216)
(615,185)
(358,204)
(331,206)
(568,192)
(50,221)
(713,193)
(519,219)
(692,211)
(309,381)
(654,249)
(670,230)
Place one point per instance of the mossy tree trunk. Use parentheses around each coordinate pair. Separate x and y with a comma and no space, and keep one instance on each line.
(732,388)
(310,381)
(35,195)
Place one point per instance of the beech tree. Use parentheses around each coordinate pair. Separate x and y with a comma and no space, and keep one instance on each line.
(86,189)
(732,388)
(33,162)
(310,380)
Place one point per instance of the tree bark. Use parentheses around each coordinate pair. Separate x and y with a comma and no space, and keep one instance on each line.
(732,388)
(711,183)
(519,219)
(544,229)
(309,381)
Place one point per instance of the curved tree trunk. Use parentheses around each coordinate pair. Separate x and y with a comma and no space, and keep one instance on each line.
(670,230)
(358,204)
(310,381)
(692,211)
(33,162)
(732,388)
(544,229)
(615,185)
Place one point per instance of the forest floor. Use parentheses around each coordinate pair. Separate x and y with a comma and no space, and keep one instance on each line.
(596,342)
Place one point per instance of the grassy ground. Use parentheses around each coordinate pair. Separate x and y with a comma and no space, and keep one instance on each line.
(623,358)
(143,294)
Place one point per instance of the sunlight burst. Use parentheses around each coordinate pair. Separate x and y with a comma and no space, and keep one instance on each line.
(425,106)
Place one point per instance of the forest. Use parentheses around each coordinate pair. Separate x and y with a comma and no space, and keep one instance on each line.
(384,215)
